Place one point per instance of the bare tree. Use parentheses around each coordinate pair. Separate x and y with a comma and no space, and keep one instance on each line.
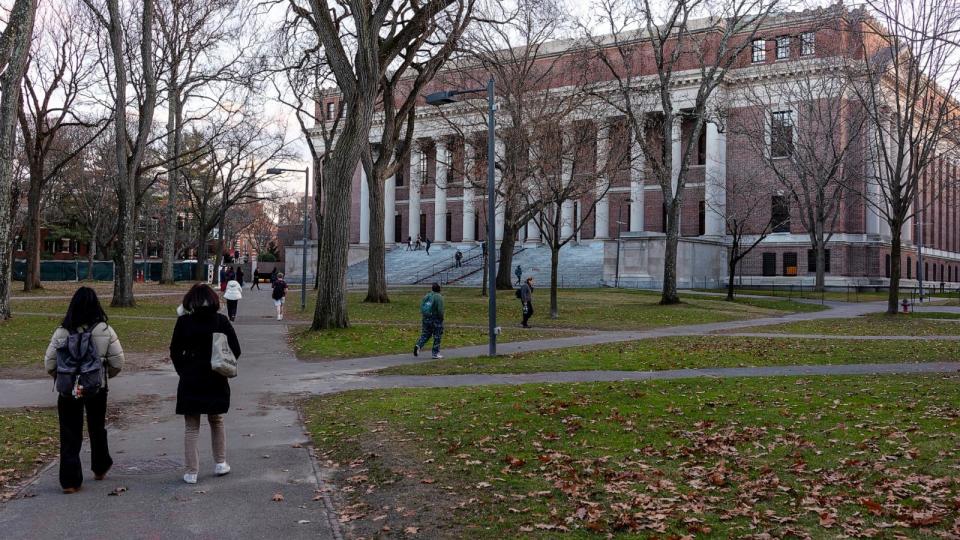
(194,35)
(361,40)
(567,190)
(61,72)
(262,229)
(511,50)
(91,199)
(909,80)
(805,130)
(645,50)
(15,44)
(129,147)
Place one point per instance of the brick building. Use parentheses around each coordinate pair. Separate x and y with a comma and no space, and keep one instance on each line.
(429,197)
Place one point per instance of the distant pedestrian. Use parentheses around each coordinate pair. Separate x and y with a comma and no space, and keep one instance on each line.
(458,257)
(519,273)
(83,340)
(279,295)
(232,295)
(428,242)
(431,312)
(409,243)
(256,280)
(416,247)
(526,300)
(201,390)
(222,274)
(239,276)
(273,276)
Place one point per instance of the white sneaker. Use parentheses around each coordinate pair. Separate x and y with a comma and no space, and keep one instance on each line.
(221,469)
(437,356)
(190,478)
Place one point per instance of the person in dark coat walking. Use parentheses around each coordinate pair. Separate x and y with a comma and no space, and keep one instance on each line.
(428,242)
(459,258)
(239,276)
(273,275)
(526,300)
(201,390)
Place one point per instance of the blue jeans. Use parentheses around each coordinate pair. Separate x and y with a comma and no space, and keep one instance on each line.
(431,327)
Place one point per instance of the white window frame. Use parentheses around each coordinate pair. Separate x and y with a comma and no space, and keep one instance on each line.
(758,51)
(783,48)
(808,44)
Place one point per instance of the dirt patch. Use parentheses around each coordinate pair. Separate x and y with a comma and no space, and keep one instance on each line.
(384,491)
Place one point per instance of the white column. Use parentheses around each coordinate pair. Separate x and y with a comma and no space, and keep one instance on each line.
(364,208)
(500,204)
(873,196)
(440,192)
(602,218)
(533,232)
(715,191)
(469,211)
(389,210)
(637,179)
(675,136)
(413,227)
(566,210)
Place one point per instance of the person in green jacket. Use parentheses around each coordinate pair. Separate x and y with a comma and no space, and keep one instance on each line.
(431,310)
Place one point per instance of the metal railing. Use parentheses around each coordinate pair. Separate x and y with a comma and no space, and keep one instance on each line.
(438,271)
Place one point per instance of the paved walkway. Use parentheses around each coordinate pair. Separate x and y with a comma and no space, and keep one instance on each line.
(265,447)
(265,436)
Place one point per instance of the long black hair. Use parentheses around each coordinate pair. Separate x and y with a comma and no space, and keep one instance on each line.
(84,310)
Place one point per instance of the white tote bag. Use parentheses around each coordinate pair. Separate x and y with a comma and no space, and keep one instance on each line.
(222,359)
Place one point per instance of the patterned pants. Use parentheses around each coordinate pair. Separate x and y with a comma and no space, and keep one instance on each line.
(431,327)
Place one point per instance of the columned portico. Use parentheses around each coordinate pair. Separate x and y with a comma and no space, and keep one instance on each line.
(440,192)
(715,189)
(567,209)
(469,210)
(602,228)
(364,208)
(413,223)
(637,179)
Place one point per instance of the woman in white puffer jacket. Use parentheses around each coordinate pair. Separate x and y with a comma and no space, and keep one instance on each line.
(232,295)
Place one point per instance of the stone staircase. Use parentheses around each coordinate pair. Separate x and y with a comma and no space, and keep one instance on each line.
(404,267)
(581,265)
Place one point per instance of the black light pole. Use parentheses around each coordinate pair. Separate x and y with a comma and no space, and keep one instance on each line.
(616,282)
(450,96)
(306,232)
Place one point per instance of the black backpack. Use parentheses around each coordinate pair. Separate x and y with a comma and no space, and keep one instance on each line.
(519,296)
(80,365)
(278,289)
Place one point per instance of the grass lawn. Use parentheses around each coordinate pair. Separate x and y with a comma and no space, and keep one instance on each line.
(23,340)
(374,340)
(147,306)
(29,439)
(777,457)
(604,309)
(916,324)
(103,288)
(694,352)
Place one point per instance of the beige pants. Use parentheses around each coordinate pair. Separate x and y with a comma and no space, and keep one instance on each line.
(217,436)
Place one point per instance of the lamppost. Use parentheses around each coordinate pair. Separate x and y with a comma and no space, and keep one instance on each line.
(306,232)
(616,282)
(450,96)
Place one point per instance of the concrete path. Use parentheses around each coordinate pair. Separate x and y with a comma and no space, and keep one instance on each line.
(265,447)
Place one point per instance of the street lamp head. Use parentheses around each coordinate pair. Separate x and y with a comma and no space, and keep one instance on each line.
(441,98)
(273,170)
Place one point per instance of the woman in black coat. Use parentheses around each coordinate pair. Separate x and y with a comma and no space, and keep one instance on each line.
(201,390)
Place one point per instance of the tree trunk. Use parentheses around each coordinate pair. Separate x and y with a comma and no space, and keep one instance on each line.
(318,215)
(221,244)
(732,267)
(201,249)
(19,31)
(554,264)
(893,296)
(820,252)
(331,308)
(483,280)
(174,126)
(31,279)
(669,294)
(377,251)
(91,256)
(504,270)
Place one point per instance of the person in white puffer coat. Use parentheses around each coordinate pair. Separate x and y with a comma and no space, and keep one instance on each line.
(232,295)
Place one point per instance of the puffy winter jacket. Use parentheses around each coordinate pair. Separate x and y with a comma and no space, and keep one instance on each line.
(234,290)
(106,340)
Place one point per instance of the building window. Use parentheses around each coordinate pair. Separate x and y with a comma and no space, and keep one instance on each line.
(65,245)
(759,51)
(926,271)
(790,263)
(398,228)
(663,217)
(886,265)
(331,110)
(812,261)
(808,43)
(702,218)
(422,170)
(781,133)
(780,214)
(449,227)
(702,147)
(783,47)
(769,264)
